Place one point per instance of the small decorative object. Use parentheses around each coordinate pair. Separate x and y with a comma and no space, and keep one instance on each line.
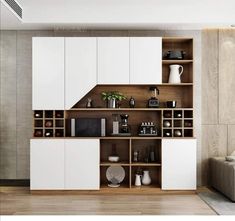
(167,114)
(153,102)
(114,156)
(112,98)
(113,159)
(38,114)
(115,124)
(178,115)
(136,155)
(177,133)
(132,102)
(146,156)
(175,55)
(38,133)
(146,179)
(166,123)
(152,155)
(89,103)
(138,179)
(49,133)
(171,104)
(48,123)
(175,74)
(147,129)
(115,175)
(167,134)
(188,124)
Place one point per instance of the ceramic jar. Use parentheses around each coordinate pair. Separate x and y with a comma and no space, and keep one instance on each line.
(146,179)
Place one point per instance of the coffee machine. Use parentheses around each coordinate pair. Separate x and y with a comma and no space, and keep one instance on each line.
(153,102)
(124,128)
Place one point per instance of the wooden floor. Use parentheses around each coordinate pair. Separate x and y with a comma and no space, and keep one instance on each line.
(19,201)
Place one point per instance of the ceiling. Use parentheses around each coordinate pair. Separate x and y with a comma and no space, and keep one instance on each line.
(120,14)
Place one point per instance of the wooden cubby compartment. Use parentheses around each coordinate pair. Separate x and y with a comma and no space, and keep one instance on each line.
(154,172)
(38,114)
(187,75)
(122,149)
(179,44)
(49,123)
(104,182)
(48,114)
(144,147)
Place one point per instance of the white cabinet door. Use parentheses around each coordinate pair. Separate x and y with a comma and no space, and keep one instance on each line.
(179,164)
(146,60)
(48,73)
(80,68)
(113,60)
(82,164)
(46,164)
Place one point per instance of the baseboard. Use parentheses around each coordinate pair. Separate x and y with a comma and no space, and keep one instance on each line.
(14,182)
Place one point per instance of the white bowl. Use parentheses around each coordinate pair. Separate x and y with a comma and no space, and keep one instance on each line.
(113,158)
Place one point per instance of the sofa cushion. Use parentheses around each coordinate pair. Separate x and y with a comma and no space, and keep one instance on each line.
(230,158)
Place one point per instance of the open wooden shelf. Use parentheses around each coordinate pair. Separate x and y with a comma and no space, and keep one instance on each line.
(114,164)
(128,109)
(146,164)
(176,61)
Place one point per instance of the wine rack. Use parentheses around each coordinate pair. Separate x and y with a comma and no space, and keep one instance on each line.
(177,123)
(49,123)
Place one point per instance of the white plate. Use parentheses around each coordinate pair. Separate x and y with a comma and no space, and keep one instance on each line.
(115,174)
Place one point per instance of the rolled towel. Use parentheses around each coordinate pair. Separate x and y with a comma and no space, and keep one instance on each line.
(230,158)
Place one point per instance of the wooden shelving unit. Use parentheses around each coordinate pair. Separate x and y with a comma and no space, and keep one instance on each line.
(180,119)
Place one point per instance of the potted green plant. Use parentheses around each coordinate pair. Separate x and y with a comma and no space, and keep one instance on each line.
(112,98)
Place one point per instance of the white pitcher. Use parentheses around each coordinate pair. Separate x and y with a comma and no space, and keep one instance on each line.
(137,180)
(175,73)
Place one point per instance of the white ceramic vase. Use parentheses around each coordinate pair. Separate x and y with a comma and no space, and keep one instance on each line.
(146,179)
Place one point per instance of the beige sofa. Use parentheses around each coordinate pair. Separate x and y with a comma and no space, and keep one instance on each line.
(222,176)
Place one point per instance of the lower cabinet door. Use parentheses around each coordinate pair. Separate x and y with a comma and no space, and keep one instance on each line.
(46,164)
(82,164)
(179,164)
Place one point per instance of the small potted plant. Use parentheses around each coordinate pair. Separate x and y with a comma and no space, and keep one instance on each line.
(112,98)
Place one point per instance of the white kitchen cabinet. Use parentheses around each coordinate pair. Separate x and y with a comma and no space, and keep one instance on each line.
(80,68)
(145,60)
(179,164)
(82,164)
(113,60)
(48,73)
(46,164)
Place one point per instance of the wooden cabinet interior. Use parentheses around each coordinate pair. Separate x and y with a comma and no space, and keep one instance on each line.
(125,148)
(179,44)
(141,93)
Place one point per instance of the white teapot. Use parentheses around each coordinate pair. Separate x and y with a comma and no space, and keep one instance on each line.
(175,73)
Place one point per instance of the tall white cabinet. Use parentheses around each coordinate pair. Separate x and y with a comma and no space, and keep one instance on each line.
(46,164)
(48,73)
(145,60)
(80,68)
(113,60)
(82,164)
(179,164)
